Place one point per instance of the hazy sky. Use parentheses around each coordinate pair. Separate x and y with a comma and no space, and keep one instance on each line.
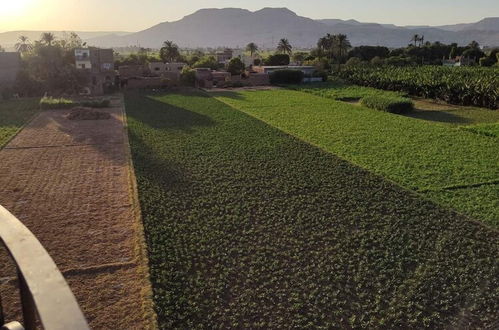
(134,15)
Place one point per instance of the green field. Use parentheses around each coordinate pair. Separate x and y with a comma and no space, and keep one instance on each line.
(249,227)
(13,115)
(419,155)
(429,110)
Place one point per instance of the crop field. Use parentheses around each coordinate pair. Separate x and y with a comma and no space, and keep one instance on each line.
(429,110)
(465,85)
(249,227)
(338,89)
(442,162)
(13,115)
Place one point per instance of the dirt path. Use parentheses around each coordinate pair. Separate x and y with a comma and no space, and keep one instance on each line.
(71,182)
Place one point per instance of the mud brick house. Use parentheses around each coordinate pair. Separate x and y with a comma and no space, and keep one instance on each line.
(99,66)
(223,57)
(10,64)
(169,71)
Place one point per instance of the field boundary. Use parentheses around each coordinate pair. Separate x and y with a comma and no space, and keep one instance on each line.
(141,245)
(414,192)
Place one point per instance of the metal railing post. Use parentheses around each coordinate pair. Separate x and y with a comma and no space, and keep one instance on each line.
(27,304)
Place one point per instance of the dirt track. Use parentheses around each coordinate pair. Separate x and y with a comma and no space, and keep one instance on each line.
(71,183)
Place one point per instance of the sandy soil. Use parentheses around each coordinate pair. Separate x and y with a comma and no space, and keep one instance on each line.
(71,183)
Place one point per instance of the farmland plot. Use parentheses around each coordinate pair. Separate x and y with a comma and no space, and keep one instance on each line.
(430,158)
(248,227)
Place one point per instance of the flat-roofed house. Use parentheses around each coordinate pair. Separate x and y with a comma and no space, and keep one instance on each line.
(223,57)
(98,63)
(10,64)
(170,71)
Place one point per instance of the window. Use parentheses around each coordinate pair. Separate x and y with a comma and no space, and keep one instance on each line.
(83,66)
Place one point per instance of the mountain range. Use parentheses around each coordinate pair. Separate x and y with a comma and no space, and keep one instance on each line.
(233,27)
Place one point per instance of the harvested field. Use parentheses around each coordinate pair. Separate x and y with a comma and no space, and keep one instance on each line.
(70,182)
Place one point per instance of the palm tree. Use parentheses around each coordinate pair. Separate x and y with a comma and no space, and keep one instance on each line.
(169,52)
(252,48)
(47,38)
(421,41)
(325,44)
(415,38)
(24,45)
(341,45)
(284,46)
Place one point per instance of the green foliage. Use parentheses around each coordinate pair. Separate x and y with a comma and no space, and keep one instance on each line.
(367,53)
(465,85)
(354,61)
(49,102)
(207,62)
(337,89)
(236,66)
(169,52)
(248,227)
(399,61)
(49,67)
(286,77)
(277,59)
(13,115)
(188,77)
(377,61)
(485,129)
(389,104)
(420,155)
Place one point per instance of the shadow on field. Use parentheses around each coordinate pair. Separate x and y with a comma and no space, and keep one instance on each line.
(162,115)
(438,116)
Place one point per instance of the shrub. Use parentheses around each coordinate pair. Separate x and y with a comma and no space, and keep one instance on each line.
(377,61)
(236,66)
(353,61)
(188,77)
(277,59)
(206,62)
(96,103)
(48,102)
(286,77)
(388,103)
(257,62)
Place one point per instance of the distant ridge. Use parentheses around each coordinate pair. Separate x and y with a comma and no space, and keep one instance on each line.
(235,27)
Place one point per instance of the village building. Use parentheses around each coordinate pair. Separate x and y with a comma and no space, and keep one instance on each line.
(99,65)
(223,57)
(207,78)
(170,71)
(10,64)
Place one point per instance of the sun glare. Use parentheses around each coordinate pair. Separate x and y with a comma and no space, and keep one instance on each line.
(13,8)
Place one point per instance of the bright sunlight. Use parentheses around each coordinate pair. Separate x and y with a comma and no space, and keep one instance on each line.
(14,8)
